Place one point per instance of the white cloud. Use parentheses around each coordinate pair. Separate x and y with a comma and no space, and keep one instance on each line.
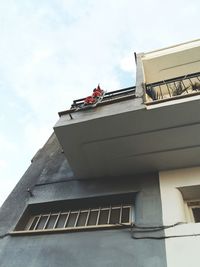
(2,117)
(6,144)
(127,63)
(41,55)
(3,164)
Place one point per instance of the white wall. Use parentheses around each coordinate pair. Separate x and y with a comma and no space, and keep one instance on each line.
(171,62)
(181,251)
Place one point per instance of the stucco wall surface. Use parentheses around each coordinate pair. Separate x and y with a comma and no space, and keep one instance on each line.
(86,248)
(177,187)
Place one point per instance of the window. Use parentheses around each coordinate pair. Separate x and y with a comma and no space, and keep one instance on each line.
(71,215)
(79,219)
(194,207)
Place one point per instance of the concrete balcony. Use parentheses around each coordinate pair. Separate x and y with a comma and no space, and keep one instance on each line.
(122,136)
(171,73)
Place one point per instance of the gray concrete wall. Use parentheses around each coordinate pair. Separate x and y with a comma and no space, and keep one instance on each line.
(51,179)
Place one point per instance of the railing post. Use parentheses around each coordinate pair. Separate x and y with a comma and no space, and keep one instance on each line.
(139,92)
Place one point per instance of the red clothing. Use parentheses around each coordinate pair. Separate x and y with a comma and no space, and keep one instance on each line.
(97,92)
(89,100)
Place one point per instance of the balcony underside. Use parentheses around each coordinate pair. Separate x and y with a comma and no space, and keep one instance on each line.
(132,142)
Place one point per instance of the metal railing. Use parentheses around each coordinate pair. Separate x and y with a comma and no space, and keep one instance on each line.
(109,96)
(178,87)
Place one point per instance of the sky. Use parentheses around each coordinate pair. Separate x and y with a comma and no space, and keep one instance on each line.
(55,51)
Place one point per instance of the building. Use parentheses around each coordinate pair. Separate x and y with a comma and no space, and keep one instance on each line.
(117,184)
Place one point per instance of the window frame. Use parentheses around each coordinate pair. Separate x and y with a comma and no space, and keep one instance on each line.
(190,205)
(26,224)
(77,213)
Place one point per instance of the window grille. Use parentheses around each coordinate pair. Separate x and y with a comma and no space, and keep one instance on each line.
(101,217)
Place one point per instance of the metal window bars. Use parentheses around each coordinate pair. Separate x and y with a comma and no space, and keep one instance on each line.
(178,87)
(100,217)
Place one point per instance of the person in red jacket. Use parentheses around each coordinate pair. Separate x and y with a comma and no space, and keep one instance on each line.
(89,100)
(97,92)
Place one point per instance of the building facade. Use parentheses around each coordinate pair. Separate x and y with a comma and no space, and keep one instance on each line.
(118,182)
